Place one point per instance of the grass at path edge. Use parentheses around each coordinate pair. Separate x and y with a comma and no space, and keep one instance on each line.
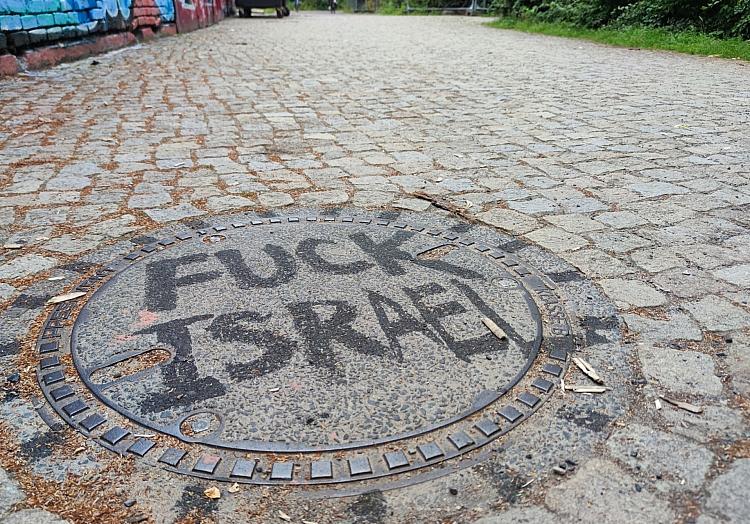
(643,38)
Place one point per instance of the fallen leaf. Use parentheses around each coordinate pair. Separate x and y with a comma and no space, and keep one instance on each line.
(234,488)
(588,370)
(213,493)
(682,405)
(587,389)
(284,516)
(499,333)
(67,296)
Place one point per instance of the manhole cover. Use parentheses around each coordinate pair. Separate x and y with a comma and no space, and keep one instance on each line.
(305,350)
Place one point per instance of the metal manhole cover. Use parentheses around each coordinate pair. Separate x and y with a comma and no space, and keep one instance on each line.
(305,350)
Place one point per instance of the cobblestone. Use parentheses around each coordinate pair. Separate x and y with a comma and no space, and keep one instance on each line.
(716,314)
(728,493)
(680,371)
(37,516)
(602,492)
(177,212)
(673,461)
(25,265)
(738,275)
(642,185)
(716,422)
(632,293)
(10,493)
(6,291)
(677,326)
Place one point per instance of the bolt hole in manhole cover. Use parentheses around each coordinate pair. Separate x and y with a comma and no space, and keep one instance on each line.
(310,349)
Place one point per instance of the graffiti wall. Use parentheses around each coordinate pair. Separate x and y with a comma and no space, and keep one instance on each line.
(193,14)
(31,23)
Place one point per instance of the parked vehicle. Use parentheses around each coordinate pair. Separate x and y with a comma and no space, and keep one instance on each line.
(245,7)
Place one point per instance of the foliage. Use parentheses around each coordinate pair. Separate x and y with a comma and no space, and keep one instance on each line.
(638,37)
(725,18)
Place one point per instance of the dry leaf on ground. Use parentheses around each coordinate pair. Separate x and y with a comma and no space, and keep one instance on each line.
(67,296)
(213,493)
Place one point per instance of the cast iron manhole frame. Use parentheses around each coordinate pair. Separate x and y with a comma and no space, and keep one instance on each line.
(78,403)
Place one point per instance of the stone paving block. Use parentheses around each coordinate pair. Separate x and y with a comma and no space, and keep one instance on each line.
(7,216)
(660,213)
(533,206)
(582,205)
(638,192)
(372,198)
(10,492)
(556,239)
(601,492)
(6,291)
(656,189)
(226,203)
(716,314)
(115,227)
(25,265)
(689,282)
(274,199)
(170,214)
(511,193)
(574,223)
(519,515)
(738,275)
(508,220)
(715,423)
(412,204)
(621,219)
(687,372)
(459,185)
(728,493)
(597,264)
(707,256)
(35,516)
(617,241)
(655,260)
(680,463)
(46,216)
(632,293)
(322,198)
(59,197)
(738,362)
(678,326)
(71,245)
(80,169)
(149,200)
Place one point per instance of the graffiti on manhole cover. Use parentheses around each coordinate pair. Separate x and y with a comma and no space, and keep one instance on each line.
(305,350)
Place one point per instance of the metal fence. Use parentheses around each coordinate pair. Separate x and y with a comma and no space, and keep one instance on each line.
(364,6)
(465,6)
(412,6)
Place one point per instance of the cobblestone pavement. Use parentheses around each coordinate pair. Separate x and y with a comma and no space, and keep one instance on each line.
(632,166)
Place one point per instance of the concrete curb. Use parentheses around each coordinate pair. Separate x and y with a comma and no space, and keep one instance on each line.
(48,56)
